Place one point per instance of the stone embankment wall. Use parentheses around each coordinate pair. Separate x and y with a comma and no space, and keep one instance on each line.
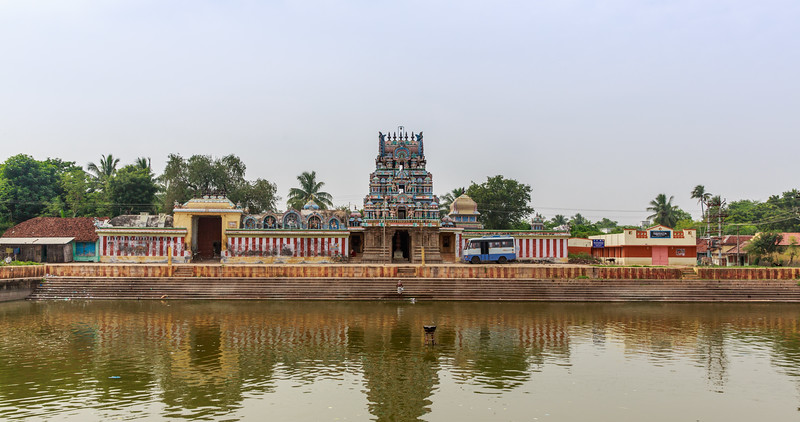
(454,271)
(749,273)
(18,282)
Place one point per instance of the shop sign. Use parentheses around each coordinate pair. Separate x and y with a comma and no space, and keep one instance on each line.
(598,243)
(660,234)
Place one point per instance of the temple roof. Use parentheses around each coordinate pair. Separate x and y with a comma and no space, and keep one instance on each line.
(464,205)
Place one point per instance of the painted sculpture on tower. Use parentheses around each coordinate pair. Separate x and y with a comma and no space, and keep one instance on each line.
(400,188)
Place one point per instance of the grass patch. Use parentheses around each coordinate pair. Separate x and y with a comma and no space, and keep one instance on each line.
(18,263)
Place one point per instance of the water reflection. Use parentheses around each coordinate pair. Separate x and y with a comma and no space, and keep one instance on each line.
(204,360)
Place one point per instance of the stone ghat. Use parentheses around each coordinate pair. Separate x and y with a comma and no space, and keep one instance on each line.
(458,271)
(421,289)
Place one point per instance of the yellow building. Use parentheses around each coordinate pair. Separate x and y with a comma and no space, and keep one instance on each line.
(205,220)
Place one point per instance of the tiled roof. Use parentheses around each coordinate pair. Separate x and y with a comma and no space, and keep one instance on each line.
(81,228)
(787,239)
(731,239)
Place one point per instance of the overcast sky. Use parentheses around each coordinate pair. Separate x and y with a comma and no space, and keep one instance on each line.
(599,106)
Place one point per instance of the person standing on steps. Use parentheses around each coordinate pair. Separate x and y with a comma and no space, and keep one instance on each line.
(400,287)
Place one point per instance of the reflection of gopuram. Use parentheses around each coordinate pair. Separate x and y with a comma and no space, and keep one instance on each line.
(206,360)
(401,214)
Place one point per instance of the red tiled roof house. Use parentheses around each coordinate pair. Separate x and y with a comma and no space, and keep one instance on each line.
(52,239)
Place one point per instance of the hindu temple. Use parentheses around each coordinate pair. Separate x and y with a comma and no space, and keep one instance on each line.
(401,213)
(399,223)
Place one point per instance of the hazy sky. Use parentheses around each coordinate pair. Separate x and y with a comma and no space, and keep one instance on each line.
(599,106)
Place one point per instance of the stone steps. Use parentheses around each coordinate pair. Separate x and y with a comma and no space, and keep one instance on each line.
(422,289)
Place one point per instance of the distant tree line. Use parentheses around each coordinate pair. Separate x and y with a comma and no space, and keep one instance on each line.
(52,187)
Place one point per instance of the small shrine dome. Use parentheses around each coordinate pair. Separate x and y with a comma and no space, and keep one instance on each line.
(311,205)
(464,205)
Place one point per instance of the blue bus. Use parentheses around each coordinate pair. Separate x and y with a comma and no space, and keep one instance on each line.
(500,249)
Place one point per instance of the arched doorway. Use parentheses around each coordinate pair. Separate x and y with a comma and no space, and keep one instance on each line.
(401,243)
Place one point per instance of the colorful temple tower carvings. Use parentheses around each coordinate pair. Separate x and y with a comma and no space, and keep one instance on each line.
(400,188)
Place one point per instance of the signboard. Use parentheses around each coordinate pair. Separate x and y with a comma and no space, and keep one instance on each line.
(598,243)
(680,252)
(660,234)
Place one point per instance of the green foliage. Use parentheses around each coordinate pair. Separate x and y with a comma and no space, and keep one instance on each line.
(309,190)
(581,230)
(132,190)
(605,223)
(26,187)
(259,196)
(664,212)
(559,220)
(106,168)
(18,263)
(764,245)
(579,220)
(502,203)
(201,174)
(778,213)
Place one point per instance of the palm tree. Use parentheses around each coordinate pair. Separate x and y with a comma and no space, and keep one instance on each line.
(664,212)
(106,169)
(699,193)
(143,163)
(309,190)
(559,220)
(580,220)
(447,200)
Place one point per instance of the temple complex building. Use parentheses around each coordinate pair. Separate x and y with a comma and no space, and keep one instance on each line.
(401,213)
(399,224)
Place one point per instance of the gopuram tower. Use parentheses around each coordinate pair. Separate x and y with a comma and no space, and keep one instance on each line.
(401,214)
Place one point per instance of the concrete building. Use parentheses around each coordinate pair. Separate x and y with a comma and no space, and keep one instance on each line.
(656,245)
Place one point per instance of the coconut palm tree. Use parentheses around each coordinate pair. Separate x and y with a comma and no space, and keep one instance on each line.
(580,220)
(664,212)
(699,193)
(106,169)
(309,190)
(559,220)
(447,200)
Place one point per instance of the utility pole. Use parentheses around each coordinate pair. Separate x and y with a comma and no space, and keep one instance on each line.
(719,229)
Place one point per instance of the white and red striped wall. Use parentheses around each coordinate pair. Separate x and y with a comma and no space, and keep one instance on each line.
(288,246)
(147,244)
(529,247)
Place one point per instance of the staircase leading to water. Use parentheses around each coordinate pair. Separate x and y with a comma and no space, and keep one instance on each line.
(421,289)
(689,274)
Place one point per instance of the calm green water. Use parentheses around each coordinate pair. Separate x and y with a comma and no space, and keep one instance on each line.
(312,361)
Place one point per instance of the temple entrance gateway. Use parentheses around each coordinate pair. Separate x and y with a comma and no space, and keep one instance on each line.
(209,237)
(401,243)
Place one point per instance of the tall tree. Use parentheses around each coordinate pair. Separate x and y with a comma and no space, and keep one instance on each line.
(664,212)
(201,174)
(579,220)
(132,190)
(446,200)
(503,203)
(559,220)
(764,245)
(309,190)
(144,163)
(106,169)
(26,187)
(699,193)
